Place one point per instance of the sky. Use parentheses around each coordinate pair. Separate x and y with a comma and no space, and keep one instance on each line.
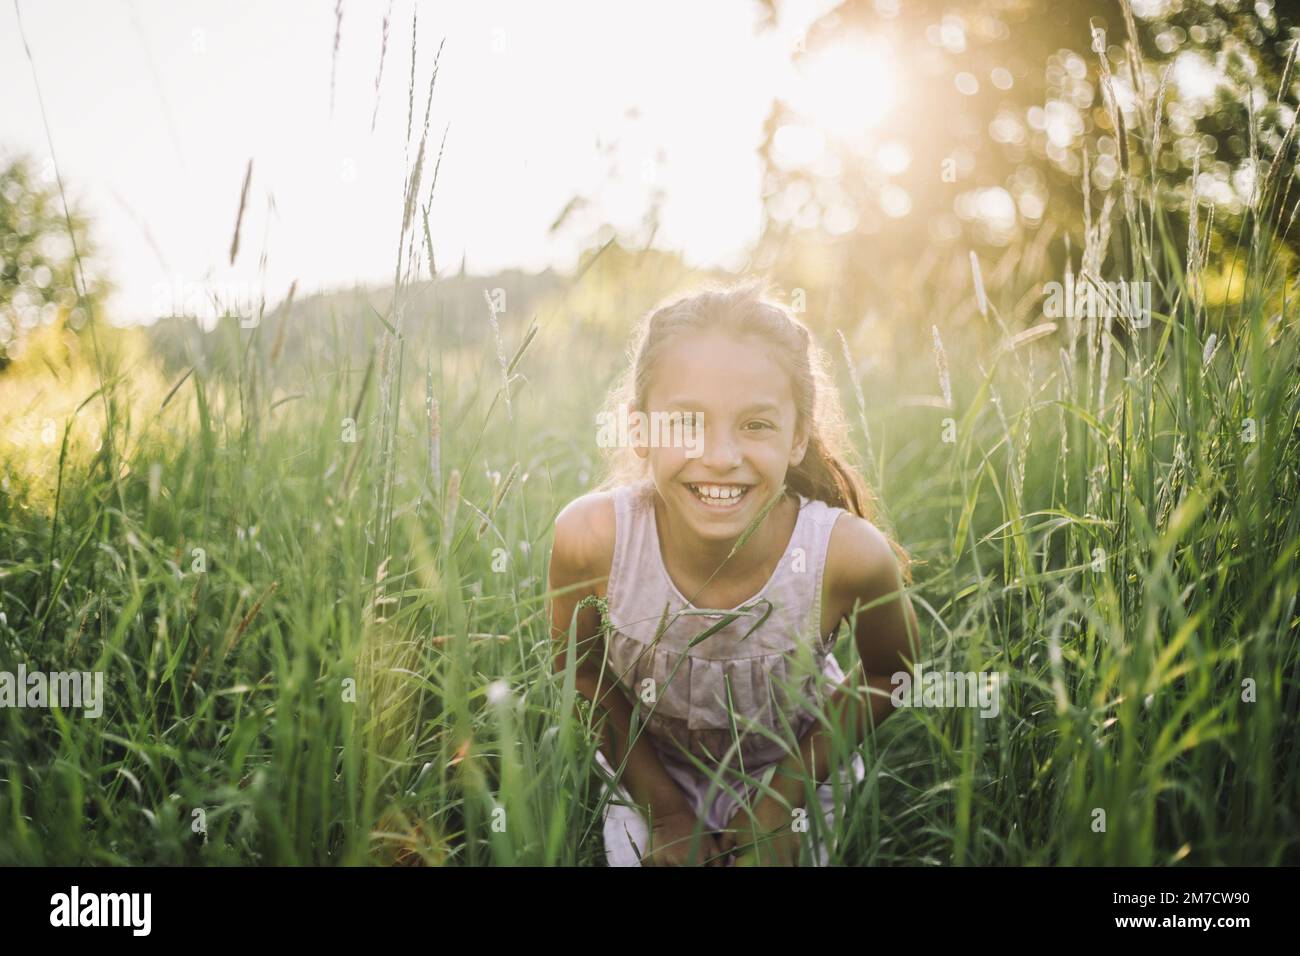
(156,107)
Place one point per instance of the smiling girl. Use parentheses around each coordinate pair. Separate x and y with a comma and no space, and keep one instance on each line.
(727,562)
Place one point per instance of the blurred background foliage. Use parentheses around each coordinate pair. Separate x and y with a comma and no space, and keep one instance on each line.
(39,284)
(925,130)
(984,108)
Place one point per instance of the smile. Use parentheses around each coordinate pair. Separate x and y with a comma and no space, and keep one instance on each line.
(719,497)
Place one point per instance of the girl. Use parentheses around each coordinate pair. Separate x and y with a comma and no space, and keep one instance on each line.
(726,557)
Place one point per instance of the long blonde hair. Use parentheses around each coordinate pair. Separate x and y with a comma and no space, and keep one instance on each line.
(827,472)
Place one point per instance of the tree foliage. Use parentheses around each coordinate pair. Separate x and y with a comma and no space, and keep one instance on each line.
(41,280)
(991,103)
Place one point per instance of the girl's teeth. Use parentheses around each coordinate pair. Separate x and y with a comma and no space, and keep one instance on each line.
(720,493)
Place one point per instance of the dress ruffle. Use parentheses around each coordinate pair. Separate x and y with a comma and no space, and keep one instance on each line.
(686,707)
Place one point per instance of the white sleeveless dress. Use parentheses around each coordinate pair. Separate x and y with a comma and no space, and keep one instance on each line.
(713,684)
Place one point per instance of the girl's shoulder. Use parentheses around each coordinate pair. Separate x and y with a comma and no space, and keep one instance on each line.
(583,544)
(860,561)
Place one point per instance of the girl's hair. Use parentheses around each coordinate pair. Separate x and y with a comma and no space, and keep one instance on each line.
(827,471)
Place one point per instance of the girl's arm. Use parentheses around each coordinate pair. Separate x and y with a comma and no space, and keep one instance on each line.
(580,559)
(864,583)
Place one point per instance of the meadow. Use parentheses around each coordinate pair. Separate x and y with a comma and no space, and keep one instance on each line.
(313,572)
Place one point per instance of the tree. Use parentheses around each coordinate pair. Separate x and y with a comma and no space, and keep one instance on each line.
(40,276)
(950,126)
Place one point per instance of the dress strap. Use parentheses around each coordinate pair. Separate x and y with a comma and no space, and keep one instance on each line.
(817,531)
(629,540)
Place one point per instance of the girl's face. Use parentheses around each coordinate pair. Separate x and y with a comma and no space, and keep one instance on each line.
(719,480)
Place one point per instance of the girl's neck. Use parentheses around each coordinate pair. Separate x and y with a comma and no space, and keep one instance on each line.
(698,559)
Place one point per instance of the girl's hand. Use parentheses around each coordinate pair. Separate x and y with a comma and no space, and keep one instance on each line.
(761,837)
(670,843)
(781,848)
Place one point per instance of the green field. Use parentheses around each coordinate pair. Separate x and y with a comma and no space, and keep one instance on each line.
(310,561)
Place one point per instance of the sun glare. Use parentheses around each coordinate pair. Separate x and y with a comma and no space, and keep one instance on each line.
(848,87)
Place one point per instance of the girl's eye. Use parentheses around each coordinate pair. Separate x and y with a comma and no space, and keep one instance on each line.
(761,424)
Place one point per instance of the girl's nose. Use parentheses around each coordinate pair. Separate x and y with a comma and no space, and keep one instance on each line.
(720,450)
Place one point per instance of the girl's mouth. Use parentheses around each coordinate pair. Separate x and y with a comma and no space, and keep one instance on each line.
(717,497)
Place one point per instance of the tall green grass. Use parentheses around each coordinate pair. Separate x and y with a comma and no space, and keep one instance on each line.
(360,669)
